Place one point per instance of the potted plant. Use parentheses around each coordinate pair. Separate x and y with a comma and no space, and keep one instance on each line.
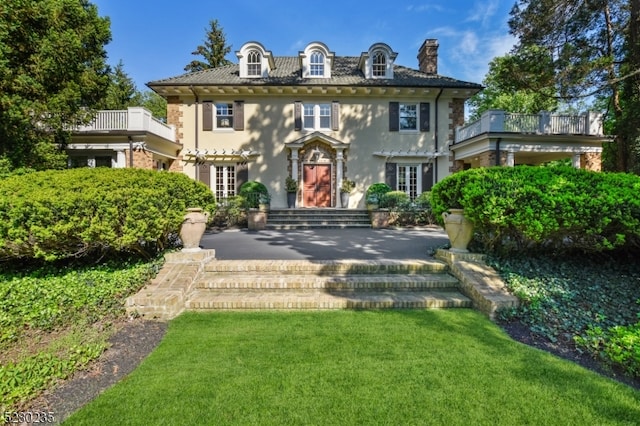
(345,189)
(264,201)
(373,202)
(291,186)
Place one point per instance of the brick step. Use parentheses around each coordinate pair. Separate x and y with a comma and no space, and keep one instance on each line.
(206,300)
(353,282)
(328,267)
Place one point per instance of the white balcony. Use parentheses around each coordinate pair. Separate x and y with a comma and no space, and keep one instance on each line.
(133,120)
(544,123)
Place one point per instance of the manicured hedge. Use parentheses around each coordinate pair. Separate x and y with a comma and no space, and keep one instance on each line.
(537,208)
(253,191)
(59,214)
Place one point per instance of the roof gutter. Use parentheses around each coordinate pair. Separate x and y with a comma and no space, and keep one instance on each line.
(435,162)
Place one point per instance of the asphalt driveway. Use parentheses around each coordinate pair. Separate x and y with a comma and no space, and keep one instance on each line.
(325,244)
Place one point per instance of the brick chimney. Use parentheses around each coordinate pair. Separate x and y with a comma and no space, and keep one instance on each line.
(428,56)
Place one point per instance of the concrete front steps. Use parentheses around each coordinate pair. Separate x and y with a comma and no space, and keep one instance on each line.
(347,284)
(313,218)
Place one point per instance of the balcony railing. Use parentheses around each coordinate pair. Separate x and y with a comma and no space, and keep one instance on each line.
(544,123)
(133,119)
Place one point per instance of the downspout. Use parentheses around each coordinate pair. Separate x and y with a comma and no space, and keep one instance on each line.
(196,131)
(435,161)
(498,151)
(130,152)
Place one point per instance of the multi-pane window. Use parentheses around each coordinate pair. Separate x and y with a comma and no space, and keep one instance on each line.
(316,116)
(409,180)
(225,181)
(78,161)
(408,115)
(379,65)
(224,116)
(90,161)
(103,161)
(316,64)
(254,64)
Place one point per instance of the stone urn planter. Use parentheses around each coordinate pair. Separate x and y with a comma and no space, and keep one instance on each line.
(192,229)
(459,229)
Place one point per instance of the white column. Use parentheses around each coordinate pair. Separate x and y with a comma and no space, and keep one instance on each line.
(294,163)
(121,160)
(511,160)
(575,161)
(339,167)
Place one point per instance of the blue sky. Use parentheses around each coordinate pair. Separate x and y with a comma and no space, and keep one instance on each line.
(155,38)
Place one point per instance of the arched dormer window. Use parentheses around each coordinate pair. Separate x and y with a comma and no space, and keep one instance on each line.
(254,60)
(254,64)
(379,64)
(316,64)
(378,61)
(316,61)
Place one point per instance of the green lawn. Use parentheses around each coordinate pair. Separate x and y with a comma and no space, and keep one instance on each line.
(355,367)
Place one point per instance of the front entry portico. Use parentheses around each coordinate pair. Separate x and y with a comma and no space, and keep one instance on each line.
(317,162)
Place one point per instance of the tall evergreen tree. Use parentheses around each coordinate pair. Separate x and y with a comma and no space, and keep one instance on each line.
(213,50)
(122,92)
(52,72)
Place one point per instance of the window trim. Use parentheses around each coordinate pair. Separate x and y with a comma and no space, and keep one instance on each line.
(229,189)
(417,117)
(230,116)
(407,177)
(254,68)
(377,67)
(318,108)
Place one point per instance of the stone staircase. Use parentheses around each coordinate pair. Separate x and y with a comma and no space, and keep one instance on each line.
(317,218)
(349,284)
(208,284)
(197,281)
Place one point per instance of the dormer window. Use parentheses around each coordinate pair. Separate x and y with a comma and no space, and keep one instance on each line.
(316,61)
(378,61)
(255,61)
(254,64)
(316,64)
(379,64)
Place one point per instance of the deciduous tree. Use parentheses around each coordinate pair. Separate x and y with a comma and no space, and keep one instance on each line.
(53,71)
(589,43)
(519,82)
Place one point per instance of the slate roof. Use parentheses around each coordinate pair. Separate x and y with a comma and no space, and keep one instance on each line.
(287,72)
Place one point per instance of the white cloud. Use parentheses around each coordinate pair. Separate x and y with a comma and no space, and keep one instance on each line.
(483,12)
(428,7)
(468,43)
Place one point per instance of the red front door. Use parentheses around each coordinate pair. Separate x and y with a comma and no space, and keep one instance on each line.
(317,185)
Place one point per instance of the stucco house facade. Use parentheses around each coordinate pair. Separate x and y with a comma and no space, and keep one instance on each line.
(319,118)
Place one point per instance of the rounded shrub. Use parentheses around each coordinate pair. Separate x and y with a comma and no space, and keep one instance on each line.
(375,192)
(252,191)
(394,199)
(59,214)
(540,208)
